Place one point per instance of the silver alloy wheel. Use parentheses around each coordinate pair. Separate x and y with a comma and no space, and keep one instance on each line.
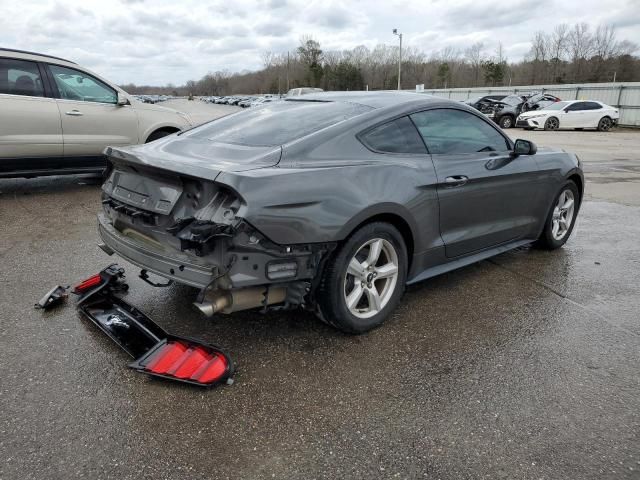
(562,214)
(552,123)
(371,278)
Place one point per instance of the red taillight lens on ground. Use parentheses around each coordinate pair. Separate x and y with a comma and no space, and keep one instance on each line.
(88,284)
(186,361)
(157,353)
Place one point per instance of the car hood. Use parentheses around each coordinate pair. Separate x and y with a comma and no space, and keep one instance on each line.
(196,157)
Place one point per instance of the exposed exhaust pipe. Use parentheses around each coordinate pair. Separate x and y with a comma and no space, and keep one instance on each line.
(229,301)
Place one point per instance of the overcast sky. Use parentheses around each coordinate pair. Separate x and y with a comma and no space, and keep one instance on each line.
(171,41)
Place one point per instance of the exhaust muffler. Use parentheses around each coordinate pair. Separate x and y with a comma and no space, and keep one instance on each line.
(229,301)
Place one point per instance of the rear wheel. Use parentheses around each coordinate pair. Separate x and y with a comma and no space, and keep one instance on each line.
(562,218)
(552,123)
(605,124)
(364,280)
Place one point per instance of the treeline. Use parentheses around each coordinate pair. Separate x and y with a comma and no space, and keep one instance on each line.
(568,54)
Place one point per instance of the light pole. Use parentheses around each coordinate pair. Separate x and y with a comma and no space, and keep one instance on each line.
(395,32)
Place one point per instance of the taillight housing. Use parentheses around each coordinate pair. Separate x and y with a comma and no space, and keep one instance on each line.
(185,360)
(88,284)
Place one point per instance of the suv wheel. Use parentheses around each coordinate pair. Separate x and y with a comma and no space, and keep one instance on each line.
(364,280)
(158,134)
(506,121)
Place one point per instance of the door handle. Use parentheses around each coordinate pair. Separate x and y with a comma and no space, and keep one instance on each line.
(456,180)
(74,113)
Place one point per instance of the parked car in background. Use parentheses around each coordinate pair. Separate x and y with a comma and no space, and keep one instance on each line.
(246,102)
(296,92)
(57,117)
(333,202)
(484,104)
(262,100)
(575,114)
(504,112)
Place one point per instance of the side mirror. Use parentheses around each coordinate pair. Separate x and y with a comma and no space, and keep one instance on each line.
(566,110)
(122,100)
(524,147)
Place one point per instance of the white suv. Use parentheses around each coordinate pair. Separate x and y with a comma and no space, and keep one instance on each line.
(57,117)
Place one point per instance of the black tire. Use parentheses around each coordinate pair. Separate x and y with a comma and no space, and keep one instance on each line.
(605,124)
(506,121)
(546,239)
(552,123)
(158,134)
(331,290)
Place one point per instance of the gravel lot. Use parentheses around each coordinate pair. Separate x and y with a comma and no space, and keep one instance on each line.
(525,366)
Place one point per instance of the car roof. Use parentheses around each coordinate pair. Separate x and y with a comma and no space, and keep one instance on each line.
(26,55)
(378,99)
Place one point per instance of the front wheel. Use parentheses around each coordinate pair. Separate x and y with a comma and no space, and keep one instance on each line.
(560,221)
(364,280)
(506,121)
(552,123)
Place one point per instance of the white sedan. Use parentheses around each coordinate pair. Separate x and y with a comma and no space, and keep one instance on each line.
(576,114)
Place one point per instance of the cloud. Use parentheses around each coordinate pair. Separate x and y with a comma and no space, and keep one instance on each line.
(165,41)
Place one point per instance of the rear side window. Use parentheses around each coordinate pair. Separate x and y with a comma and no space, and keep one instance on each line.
(277,123)
(578,106)
(397,136)
(592,106)
(456,131)
(20,77)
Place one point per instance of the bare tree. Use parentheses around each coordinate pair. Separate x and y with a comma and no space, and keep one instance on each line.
(580,47)
(474,56)
(558,47)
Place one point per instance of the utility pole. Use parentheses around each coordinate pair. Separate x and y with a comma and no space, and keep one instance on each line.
(287,71)
(395,32)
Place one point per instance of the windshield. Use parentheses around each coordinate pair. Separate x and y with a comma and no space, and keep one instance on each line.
(276,123)
(556,106)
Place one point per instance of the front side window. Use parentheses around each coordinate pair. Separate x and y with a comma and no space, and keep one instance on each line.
(397,136)
(76,85)
(456,131)
(20,77)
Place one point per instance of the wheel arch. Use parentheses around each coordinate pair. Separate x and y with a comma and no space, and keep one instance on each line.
(577,179)
(169,129)
(392,217)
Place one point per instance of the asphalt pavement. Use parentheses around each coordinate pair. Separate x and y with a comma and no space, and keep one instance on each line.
(525,366)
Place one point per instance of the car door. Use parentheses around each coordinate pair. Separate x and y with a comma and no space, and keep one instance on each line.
(487,197)
(593,114)
(30,128)
(91,117)
(575,116)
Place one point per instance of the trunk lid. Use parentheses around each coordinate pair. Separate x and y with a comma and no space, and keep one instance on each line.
(196,157)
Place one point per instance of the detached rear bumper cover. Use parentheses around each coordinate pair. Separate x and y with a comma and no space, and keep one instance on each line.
(175,267)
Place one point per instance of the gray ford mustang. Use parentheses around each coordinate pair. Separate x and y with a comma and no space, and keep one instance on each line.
(333,202)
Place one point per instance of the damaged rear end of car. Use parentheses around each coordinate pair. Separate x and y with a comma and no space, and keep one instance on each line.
(167,211)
